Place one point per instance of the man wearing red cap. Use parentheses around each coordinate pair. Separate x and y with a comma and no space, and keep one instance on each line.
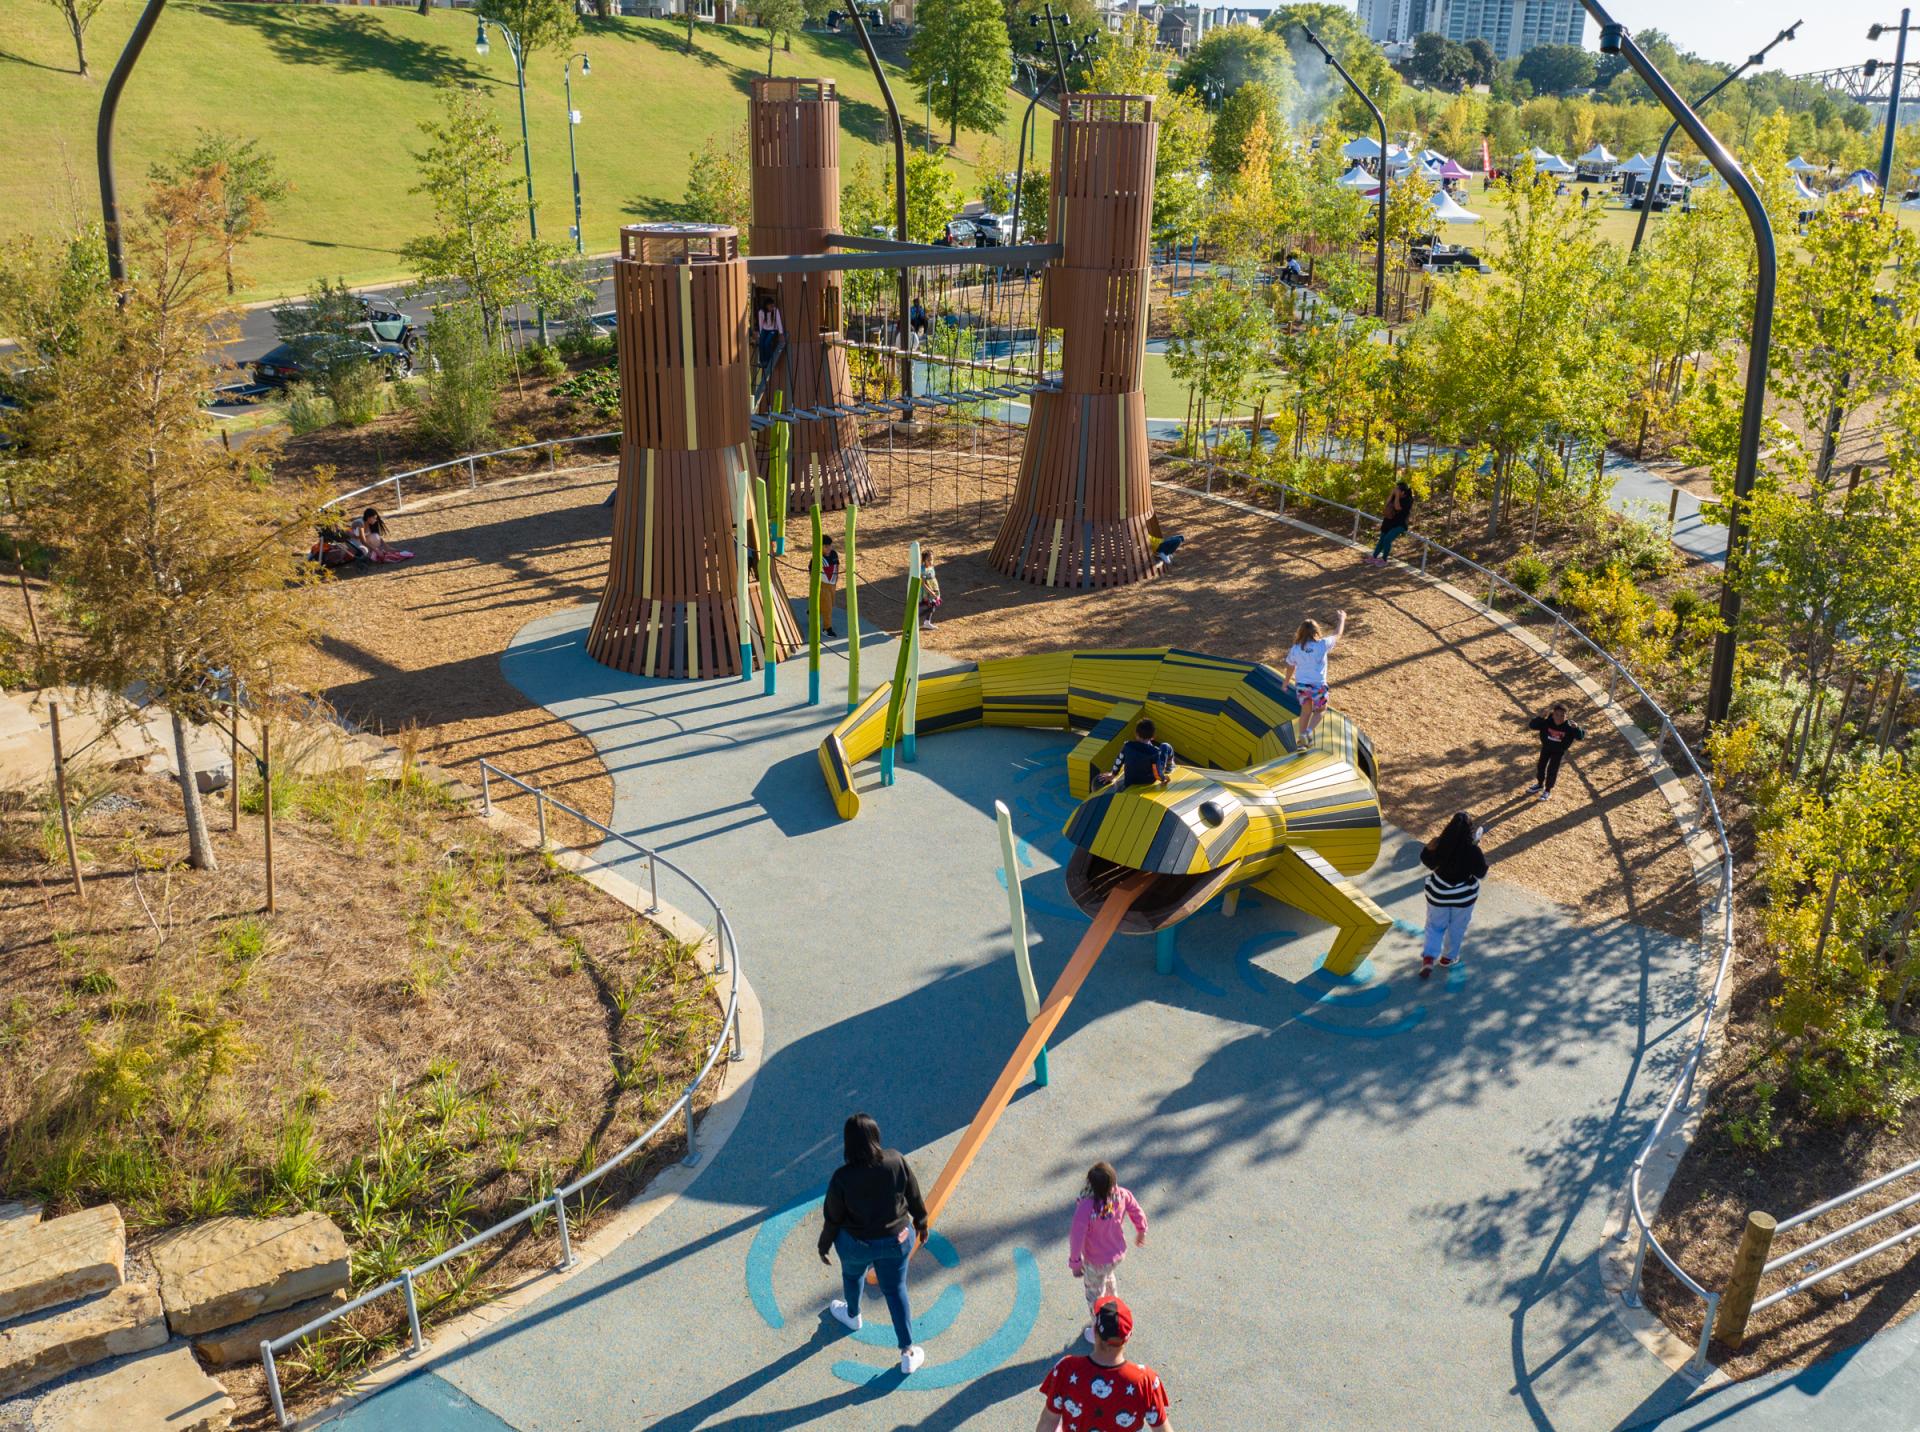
(1101,1391)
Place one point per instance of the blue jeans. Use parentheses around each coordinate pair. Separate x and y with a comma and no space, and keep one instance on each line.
(888,1259)
(1388,536)
(1446,930)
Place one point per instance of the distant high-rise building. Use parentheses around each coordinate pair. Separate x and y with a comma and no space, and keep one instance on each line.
(1389,22)
(1512,27)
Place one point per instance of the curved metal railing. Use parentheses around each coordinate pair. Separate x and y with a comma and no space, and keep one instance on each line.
(469,462)
(726,961)
(1709,806)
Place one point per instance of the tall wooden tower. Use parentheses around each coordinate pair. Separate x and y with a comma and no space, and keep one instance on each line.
(794,134)
(1082,504)
(671,604)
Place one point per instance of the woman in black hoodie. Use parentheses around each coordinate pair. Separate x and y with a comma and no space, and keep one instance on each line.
(873,1200)
(1458,866)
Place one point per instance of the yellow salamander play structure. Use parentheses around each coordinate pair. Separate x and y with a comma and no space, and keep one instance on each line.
(1247,804)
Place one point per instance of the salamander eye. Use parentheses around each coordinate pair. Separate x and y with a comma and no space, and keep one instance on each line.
(1211,813)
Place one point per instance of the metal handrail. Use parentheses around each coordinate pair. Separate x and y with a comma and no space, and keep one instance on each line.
(468,462)
(727,961)
(1825,1240)
(1682,1093)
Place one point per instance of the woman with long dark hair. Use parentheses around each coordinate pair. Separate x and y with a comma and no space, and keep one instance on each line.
(1457,867)
(873,1200)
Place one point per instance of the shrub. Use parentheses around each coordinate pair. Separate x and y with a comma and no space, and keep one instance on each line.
(545,361)
(1528,571)
(307,409)
(357,391)
(1618,615)
(584,341)
(463,381)
(597,388)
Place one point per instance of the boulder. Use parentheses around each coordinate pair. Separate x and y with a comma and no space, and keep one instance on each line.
(241,1342)
(160,1389)
(227,1270)
(36,1350)
(18,1217)
(61,1259)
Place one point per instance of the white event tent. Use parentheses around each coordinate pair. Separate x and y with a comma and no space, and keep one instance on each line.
(1598,158)
(1447,210)
(1799,165)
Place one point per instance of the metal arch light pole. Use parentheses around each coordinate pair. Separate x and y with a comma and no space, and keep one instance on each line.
(573,161)
(103,136)
(481,47)
(1660,159)
(1380,226)
(1615,39)
(1874,32)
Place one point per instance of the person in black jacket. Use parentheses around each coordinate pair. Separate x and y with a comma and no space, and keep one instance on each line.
(1557,733)
(1458,865)
(873,1200)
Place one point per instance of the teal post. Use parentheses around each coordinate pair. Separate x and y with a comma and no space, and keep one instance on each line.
(813,614)
(1017,919)
(909,722)
(1163,950)
(853,610)
(779,446)
(899,697)
(769,650)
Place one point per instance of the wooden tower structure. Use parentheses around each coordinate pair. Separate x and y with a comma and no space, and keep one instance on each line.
(794,135)
(674,584)
(1082,507)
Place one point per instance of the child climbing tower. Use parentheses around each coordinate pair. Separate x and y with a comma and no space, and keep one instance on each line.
(1082,504)
(794,135)
(684,522)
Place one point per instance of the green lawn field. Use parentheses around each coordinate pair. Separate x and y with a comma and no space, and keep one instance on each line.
(337,93)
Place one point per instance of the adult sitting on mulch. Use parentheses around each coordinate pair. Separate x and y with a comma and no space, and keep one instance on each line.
(371,530)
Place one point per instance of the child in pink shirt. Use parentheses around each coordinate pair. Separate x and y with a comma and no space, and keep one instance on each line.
(1099,1238)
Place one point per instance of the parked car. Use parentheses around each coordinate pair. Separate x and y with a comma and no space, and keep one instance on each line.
(383,323)
(310,359)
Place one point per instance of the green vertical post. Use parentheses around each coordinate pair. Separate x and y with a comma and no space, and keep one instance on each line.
(853,610)
(768,631)
(1017,919)
(1163,950)
(779,449)
(743,613)
(814,587)
(902,668)
(909,723)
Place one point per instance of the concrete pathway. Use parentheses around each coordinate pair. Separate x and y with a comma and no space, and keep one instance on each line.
(1375,1202)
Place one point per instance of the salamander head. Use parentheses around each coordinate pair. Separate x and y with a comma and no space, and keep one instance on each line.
(1191,834)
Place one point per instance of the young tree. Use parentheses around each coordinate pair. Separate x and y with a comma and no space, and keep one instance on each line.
(1234,55)
(1221,336)
(250,181)
(537,24)
(178,565)
(463,381)
(932,197)
(1247,219)
(720,183)
(78,14)
(776,16)
(960,55)
(476,244)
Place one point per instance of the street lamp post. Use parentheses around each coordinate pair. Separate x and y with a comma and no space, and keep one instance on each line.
(514,48)
(1660,159)
(1053,35)
(1874,32)
(573,160)
(1616,40)
(1380,225)
(899,197)
(103,136)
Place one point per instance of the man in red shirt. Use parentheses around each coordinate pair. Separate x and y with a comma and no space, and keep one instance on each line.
(1101,1391)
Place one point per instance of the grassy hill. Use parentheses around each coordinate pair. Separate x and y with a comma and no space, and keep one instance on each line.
(337,94)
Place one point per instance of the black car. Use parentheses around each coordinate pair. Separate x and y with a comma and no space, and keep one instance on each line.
(310,359)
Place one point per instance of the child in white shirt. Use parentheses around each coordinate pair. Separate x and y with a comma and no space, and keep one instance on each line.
(1307,667)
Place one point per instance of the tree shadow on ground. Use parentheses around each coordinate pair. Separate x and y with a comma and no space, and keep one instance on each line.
(350,43)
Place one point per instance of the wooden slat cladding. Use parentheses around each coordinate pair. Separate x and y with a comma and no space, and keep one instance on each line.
(1082,506)
(794,138)
(670,603)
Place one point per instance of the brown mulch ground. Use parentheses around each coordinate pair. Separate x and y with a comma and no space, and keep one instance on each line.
(420,642)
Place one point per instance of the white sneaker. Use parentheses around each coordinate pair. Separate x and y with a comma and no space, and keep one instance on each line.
(850,1321)
(910,1361)
(1545,794)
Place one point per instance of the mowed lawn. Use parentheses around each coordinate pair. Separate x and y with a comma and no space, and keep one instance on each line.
(338,93)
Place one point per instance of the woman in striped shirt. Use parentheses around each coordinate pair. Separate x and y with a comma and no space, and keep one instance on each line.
(1457,864)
